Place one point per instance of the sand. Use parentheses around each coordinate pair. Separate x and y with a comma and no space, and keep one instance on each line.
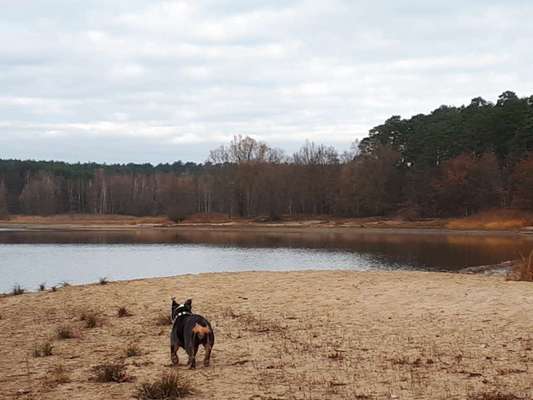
(283,335)
(492,221)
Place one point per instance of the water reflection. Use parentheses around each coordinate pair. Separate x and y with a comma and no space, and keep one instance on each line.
(33,257)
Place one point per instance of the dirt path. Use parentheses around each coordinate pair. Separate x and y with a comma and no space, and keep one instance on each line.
(293,335)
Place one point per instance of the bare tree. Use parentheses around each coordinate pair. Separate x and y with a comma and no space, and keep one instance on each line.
(371,184)
(3,200)
(41,194)
(243,150)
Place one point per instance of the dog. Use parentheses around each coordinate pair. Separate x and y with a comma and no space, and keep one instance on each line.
(189,331)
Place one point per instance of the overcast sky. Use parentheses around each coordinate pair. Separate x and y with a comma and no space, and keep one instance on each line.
(158,81)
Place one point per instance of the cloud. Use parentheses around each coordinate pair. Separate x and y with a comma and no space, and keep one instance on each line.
(166,80)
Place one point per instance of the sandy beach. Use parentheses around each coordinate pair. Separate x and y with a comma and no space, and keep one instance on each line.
(285,335)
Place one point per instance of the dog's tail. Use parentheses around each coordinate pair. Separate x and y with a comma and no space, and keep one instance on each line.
(201,331)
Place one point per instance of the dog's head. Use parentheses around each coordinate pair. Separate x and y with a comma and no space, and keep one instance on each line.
(180,308)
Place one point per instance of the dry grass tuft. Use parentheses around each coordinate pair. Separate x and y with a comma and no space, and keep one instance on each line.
(523,271)
(43,350)
(123,312)
(91,319)
(133,350)
(169,386)
(228,313)
(493,220)
(494,396)
(360,396)
(17,290)
(163,319)
(336,356)
(58,375)
(65,332)
(111,373)
(258,324)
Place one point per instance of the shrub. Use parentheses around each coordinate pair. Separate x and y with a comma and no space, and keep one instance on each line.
(43,350)
(91,319)
(133,350)
(111,373)
(176,214)
(523,271)
(17,290)
(42,287)
(58,375)
(103,281)
(53,289)
(123,312)
(169,386)
(65,332)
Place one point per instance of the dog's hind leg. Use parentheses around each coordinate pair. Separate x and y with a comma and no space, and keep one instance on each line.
(207,347)
(191,347)
(174,354)
(192,350)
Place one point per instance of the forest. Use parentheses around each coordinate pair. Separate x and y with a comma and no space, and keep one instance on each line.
(454,161)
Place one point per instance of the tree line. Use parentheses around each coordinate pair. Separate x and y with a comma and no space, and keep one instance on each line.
(454,161)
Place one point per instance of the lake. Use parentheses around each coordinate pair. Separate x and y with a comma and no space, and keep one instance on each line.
(29,258)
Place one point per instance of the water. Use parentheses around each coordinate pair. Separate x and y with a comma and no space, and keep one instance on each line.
(30,258)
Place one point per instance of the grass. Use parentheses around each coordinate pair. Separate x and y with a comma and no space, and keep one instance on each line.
(258,324)
(494,396)
(123,312)
(58,375)
(133,350)
(86,219)
(43,350)
(164,319)
(65,332)
(103,281)
(169,386)
(229,313)
(91,319)
(112,372)
(493,220)
(336,356)
(523,271)
(17,290)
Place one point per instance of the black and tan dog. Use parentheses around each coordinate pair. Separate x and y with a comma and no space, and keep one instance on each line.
(189,331)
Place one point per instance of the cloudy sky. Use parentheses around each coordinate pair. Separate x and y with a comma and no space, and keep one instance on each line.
(157,81)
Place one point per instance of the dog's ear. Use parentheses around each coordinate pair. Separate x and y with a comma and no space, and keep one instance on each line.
(188,304)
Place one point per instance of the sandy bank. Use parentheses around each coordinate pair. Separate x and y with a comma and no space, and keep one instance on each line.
(498,221)
(294,335)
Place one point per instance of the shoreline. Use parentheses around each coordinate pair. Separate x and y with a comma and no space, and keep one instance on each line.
(498,223)
(283,335)
(260,228)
